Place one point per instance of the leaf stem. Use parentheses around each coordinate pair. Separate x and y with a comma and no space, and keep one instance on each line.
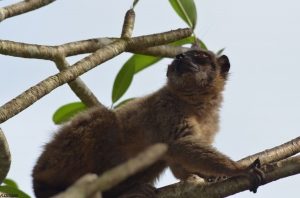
(188,19)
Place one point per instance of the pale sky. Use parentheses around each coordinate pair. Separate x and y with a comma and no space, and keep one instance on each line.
(261,107)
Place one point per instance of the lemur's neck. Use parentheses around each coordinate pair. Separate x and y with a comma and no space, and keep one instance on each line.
(198,97)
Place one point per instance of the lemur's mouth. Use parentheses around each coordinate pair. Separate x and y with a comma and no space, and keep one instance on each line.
(184,67)
(193,67)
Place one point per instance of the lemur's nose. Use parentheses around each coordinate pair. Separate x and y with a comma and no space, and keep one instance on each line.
(180,56)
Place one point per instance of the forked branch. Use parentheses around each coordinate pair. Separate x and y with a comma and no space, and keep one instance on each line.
(196,187)
(33,94)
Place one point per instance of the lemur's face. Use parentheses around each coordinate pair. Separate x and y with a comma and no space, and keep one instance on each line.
(197,68)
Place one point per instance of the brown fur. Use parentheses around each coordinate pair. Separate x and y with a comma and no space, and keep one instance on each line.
(182,114)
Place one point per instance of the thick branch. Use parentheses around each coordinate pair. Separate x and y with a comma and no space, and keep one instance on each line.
(275,154)
(88,185)
(5,157)
(24,50)
(282,169)
(86,46)
(143,42)
(162,51)
(46,86)
(195,186)
(79,87)
(22,7)
(35,93)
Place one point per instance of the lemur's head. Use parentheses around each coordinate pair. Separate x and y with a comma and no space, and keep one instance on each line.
(198,68)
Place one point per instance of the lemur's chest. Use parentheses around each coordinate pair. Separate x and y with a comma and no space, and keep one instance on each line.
(205,126)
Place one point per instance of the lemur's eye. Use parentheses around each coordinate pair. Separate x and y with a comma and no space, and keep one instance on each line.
(201,55)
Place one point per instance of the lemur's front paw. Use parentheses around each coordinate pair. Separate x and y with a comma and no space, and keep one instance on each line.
(255,175)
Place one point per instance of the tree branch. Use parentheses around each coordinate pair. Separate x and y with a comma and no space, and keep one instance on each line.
(275,154)
(46,86)
(22,7)
(128,24)
(282,169)
(195,186)
(78,86)
(24,50)
(162,51)
(88,185)
(33,94)
(5,157)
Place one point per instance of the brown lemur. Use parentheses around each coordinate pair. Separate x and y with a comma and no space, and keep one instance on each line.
(183,114)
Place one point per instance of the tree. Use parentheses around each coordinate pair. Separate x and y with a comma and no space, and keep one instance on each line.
(45,7)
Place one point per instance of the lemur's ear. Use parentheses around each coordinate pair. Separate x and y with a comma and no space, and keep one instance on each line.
(224,64)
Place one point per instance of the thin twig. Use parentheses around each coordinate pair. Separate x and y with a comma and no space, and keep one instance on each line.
(128,24)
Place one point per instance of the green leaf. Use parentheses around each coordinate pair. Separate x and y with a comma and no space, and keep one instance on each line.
(13,191)
(186,9)
(143,61)
(220,52)
(203,46)
(123,102)
(10,182)
(123,79)
(65,112)
(134,3)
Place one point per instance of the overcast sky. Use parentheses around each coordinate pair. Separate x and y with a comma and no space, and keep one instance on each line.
(261,105)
